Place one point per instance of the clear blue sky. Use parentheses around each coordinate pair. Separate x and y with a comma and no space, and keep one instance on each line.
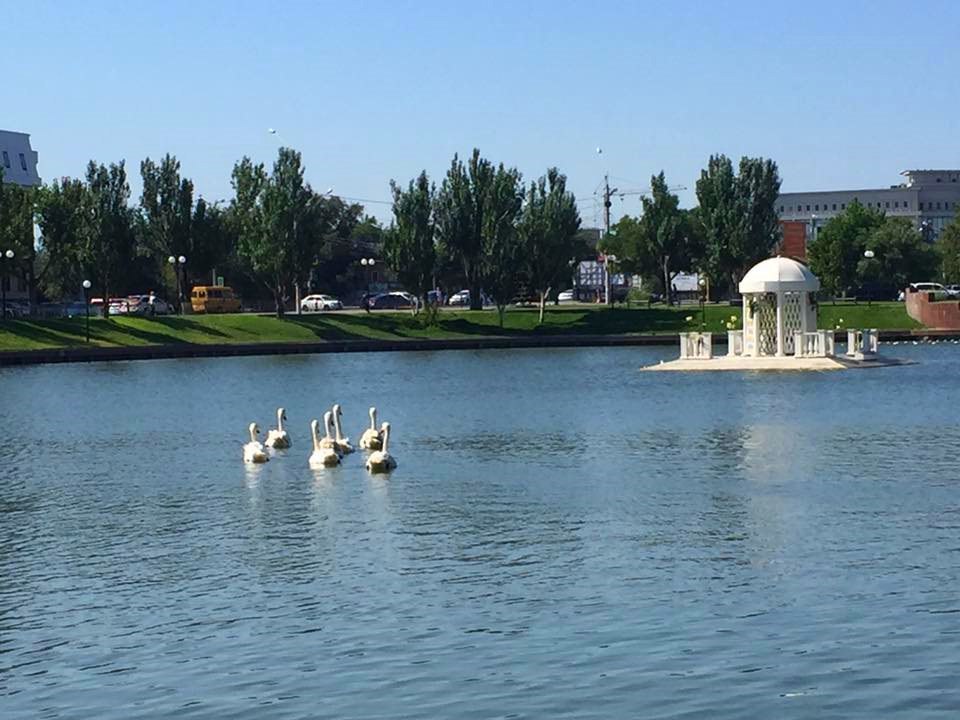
(841,94)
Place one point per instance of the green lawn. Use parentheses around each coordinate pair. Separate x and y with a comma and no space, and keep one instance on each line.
(577,320)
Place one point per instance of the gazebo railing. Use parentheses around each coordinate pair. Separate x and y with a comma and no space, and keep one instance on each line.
(696,346)
(863,342)
(813,344)
(734,343)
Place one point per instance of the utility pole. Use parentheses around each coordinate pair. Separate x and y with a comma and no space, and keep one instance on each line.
(606,231)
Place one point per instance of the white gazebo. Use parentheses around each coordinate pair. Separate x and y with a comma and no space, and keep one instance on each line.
(778,305)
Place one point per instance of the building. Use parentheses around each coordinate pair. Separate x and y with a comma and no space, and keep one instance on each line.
(17,159)
(929,198)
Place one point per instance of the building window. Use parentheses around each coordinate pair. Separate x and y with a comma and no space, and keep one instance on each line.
(920,206)
(6,159)
(781,209)
(834,206)
(23,162)
(843,206)
(887,204)
(896,203)
(808,208)
(938,204)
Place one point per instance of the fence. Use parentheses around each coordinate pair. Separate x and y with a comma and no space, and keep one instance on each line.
(696,346)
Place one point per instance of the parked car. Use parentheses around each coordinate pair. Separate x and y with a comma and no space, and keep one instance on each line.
(147,305)
(566,296)
(928,287)
(393,301)
(953,290)
(459,298)
(214,299)
(320,302)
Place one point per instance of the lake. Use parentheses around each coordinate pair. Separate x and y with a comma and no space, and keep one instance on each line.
(565,537)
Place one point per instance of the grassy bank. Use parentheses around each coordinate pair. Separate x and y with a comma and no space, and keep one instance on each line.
(584,320)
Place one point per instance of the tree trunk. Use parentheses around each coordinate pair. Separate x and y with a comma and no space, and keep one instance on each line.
(106,296)
(500,311)
(476,302)
(543,304)
(667,286)
(278,300)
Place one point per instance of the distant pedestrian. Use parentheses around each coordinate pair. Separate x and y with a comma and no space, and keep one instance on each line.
(365,301)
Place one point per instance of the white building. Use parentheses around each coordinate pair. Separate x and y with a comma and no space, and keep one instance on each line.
(17,159)
(929,198)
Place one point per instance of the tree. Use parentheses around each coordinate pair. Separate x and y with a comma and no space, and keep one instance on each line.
(663,233)
(949,251)
(901,256)
(737,214)
(501,251)
(61,215)
(16,230)
(548,229)
(838,249)
(275,221)
(409,242)
(107,237)
(460,211)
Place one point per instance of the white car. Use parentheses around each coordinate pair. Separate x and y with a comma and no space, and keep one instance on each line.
(566,297)
(320,302)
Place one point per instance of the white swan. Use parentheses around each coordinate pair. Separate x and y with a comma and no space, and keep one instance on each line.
(371,438)
(381,461)
(327,440)
(279,439)
(343,444)
(321,456)
(253,450)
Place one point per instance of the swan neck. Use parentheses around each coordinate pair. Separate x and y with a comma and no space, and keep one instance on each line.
(336,427)
(373,419)
(315,435)
(386,438)
(280,419)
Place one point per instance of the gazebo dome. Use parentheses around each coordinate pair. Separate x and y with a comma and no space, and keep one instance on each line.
(779,274)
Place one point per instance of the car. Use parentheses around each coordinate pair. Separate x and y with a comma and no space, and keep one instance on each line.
(393,301)
(459,298)
(566,296)
(214,299)
(953,290)
(320,302)
(148,305)
(928,287)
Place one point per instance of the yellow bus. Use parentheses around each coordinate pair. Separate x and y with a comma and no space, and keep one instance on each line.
(214,299)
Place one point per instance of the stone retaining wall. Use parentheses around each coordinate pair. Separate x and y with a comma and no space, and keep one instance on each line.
(942,314)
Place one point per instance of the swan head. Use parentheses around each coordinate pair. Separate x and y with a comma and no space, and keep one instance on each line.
(327,418)
(254,430)
(337,410)
(281,413)
(314,424)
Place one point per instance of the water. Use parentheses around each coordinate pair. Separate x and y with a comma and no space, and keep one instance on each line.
(565,537)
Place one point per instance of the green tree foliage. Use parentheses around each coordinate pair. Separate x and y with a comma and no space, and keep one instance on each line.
(460,212)
(900,257)
(409,242)
(501,252)
(166,205)
(737,214)
(107,240)
(16,231)
(838,249)
(276,222)
(948,249)
(548,229)
(61,215)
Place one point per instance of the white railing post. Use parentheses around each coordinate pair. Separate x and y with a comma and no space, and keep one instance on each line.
(696,346)
(734,343)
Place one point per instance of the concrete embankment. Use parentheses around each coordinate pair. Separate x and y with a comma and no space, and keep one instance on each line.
(157,352)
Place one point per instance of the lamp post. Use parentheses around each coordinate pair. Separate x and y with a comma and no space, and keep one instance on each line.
(813,228)
(869,255)
(86,306)
(701,281)
(925,230)
(7,258)
(367,263)
(177,263)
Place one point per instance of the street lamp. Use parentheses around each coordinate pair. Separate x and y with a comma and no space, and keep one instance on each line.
(702,282)
(177,263)
(86,305)
(7,258)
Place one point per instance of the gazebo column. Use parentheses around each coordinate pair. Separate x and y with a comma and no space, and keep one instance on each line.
(780,352)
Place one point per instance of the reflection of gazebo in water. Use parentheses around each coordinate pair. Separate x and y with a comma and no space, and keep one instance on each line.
(778,303)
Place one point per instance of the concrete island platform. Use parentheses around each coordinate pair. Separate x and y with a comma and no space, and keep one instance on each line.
(787,363)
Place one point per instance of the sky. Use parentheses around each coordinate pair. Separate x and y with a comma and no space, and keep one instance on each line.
(841,95)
